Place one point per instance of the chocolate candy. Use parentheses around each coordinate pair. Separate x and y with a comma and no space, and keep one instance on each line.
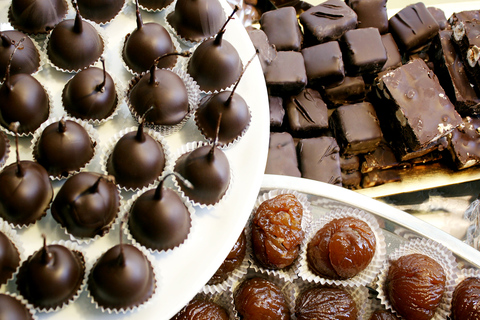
(370,14)
(319,159)
(25,60)
(282,157)
(266,51)
(351,180)
(382,158)
(439,16)
(277,112)
(100,11)
(324,64)
(12,308)
(37,16)
(282,29)
(286,74)
(349,163)
(350,91)
(394,58)
(325,303)
(379,177)
(9,259)
(464,143)
(306,113)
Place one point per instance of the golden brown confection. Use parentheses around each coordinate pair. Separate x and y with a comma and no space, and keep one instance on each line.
(341,249)
(277,231)
(466,300)
(233,260)
(325,303)
(415,285)
(199,309)
(260,299)
(383,315)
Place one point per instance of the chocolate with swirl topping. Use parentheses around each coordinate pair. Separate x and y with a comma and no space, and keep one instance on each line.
(307,113)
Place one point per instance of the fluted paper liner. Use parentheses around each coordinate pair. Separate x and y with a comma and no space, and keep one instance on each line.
(433,250)
(363,278)
(167,7)
(288,273)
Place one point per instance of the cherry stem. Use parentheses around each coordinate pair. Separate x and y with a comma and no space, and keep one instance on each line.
(154,66)
(158,190)
(62,125)
(218,38)
(211,153)
(14,127)
(230,97)
(139,16)
(77,25)
(140,136)
(45,254)
(121,256)
(6,41)
(9,65)
(101,86)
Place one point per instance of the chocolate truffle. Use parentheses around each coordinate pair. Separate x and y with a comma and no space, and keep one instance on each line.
(100,11)
(319,159)
(37,16)
(74,44)
(324,64)
(415,285)
(325,303)
(370,14)
(282,156)
(201,309)
(286,75)
(208,170)
(86,205)
(137,159)
(277,231)
(9,258)
(122,278)
(282,29)
(63,147)
(25,60)
(145,44)
(51,276)
(12,307)
(307,114)
(260,296)
(196,20)
(466,298)
(158,219)
(233,260)
(341,249)
(90,95)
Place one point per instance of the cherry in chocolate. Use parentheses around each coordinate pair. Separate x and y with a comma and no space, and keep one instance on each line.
(159,220)
(122,278)
(26,60)
(162,91)
(51,276)
(196,20)
(145,44)
(86,205)
(74,44)
(100,11)
(63,148)
(215,63)
(9,258)
(137,159)
(37,16)
(90,94)
(25,192)
(12,308)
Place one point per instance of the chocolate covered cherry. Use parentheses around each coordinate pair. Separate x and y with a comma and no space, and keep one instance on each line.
(26,60)
(9,258)
(100,11)
(12,307)
(37,16)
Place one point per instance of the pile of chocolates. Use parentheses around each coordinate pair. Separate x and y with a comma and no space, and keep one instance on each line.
(355,96)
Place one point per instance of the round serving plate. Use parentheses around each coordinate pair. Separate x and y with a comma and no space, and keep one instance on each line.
(184,270)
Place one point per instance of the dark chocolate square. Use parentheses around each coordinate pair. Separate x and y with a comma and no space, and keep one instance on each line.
(307,114)
(277,112)
(286,74)
(324,64)
(382,158)
(282,155)
(327,21)
(464,144)
(413,27)
(282,29)
(266,51)
(356,128)
(319,159)
(370,13)
(363,51)
(351,90)
(394,58)
(349,163)
(351,180)
(439,16)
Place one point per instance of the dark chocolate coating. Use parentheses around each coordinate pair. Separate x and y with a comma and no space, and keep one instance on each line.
(208,172)
(167,94)
(9,259)
(277,112)
(145,44)
(349,163)
(84,210)
(319,159)
(266,51)
(307,114)
(351,180)
(83,98)
(37,16)
(235,117)
(49,278)
(413,27)
(282,29)
(25,60)
(370,14)
(100,11)
(154,4)
(394,58)
(439,16)
(24,199)
(136,163)
(232,261)
(324,64)
(282,156)
(215,65)
(13,309)
(379,177)
(196,20)
(351,90)
(325,303)
(122,278)
(62,152)
(71,50)
(463,146)
(27,103)
(286,75)
(382,158)
(466,299)
(199,309)
(159,224)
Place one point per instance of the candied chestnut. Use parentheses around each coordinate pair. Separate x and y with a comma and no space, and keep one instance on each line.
(415,285)
(341,249)
(325,303)
(383,315)
(277,231)
(258,298)
(466,300)
(199,309)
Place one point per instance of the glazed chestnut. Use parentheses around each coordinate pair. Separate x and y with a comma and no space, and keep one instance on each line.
(383,315)
(325,303)
(466,299)
(199,309)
